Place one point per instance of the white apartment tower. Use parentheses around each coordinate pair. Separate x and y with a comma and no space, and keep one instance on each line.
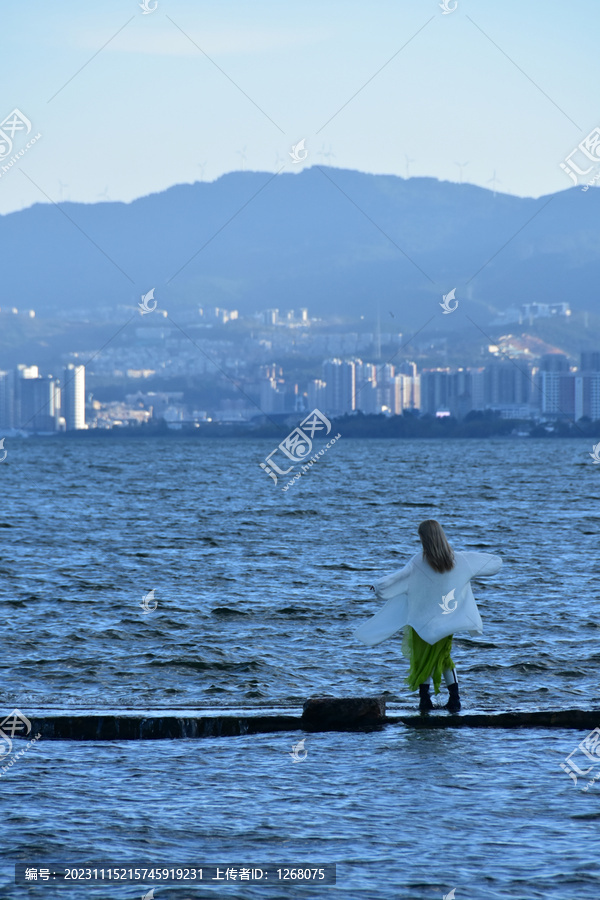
(73,397)
(340,386)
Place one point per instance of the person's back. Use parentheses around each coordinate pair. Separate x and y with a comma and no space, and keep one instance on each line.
(432,597)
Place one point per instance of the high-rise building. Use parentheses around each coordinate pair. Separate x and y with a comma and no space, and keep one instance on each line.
(7,401)
(407,368)
(400,394)
(557,393)
(367,396)
(315,395)
(364,373)
(411,389)
(435,385)
(272,400)
(460,393)
(554,362)
(35,400)
(505,383)
(499,385)
(571,395)
(477,388)
(73,397)
(590,396)
(590,361)
(340,390)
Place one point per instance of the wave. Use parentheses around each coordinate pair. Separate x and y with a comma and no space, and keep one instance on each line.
(227,611)
(200,665)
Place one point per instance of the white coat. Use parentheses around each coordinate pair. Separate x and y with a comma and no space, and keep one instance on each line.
(435,604)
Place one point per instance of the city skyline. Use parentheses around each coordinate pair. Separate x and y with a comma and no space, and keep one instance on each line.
(35,403)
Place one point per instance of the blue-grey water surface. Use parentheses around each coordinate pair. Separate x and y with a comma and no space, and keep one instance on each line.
(258,591)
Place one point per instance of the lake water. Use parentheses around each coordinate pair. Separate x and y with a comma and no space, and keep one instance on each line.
(257,592)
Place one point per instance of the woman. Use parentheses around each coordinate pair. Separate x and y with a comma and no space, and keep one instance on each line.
(432,597)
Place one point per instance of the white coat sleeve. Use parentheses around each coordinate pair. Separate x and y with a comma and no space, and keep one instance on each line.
(390,619)
(482,564)
(395,584)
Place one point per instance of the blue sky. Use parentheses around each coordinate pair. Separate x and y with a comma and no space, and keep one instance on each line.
(505,88)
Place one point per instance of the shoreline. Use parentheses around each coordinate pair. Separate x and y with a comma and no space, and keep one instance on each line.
(350,427)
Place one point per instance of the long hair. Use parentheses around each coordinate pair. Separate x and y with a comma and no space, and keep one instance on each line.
(436,549)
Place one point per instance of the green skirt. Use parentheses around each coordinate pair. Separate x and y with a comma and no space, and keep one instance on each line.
(426,659)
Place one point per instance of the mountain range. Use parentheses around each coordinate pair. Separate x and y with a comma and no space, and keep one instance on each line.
(337,241)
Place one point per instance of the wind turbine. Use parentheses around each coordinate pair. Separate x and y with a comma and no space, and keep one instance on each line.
(202,167)
(461,166)
(62,186)
(328,154)
(242,153)
(494,181)
(279,161)
(408,162)
(104,193)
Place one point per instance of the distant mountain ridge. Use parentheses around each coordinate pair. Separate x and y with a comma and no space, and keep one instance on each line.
(336,241)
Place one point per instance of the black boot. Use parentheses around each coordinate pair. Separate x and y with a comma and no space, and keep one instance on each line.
(424,698)
(453,704)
